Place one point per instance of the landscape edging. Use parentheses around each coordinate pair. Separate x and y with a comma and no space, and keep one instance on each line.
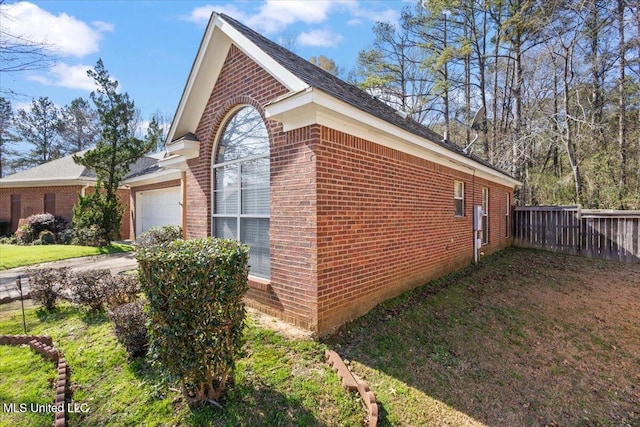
(43,345)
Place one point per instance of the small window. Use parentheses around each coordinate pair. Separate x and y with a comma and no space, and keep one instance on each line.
(485,215)
(507,213)
(50,203)
(458,198)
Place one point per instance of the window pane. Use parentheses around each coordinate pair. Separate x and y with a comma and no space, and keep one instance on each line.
(225,228)
(255,233)
(226,194)
(255,187)
(458,190)
(459,206)
(244,135)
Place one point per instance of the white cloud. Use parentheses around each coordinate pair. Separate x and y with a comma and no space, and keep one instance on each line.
(64,34)
(69,76)
(319,38)
(272,16)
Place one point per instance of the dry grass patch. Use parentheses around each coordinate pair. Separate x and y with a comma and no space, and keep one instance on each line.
(526,338)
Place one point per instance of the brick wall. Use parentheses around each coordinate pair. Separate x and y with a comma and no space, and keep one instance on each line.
(386,224)
(32,202)
(352,222)
(290,293)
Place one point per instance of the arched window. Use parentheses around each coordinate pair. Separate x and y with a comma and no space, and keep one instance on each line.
(241,187)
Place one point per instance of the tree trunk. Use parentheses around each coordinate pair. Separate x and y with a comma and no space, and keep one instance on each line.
(622,106)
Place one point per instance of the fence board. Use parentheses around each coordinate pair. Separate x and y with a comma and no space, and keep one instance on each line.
(611,235)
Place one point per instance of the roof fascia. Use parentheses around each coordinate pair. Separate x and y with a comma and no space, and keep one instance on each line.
(206,68)
(153,178)
(27,183)
(313,106)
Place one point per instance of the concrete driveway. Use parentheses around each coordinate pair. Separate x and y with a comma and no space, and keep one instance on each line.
(117,263)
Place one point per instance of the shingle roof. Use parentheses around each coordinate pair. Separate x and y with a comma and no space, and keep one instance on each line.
(63,168)
(316,77)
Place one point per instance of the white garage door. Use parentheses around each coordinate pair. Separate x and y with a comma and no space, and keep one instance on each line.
(157,208)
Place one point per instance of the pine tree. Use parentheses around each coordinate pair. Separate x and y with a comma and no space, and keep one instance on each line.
(116,150)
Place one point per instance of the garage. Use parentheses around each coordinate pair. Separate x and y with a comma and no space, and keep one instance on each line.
(155,208)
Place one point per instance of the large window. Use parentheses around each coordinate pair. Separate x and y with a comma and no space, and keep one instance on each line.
(241,187)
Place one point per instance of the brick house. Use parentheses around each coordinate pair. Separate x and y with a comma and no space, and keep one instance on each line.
(344,202)
(150,194)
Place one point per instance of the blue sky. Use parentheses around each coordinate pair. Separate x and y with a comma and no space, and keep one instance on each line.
(149,46)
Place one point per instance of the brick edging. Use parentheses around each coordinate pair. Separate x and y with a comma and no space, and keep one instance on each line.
(351,383)
(43,345)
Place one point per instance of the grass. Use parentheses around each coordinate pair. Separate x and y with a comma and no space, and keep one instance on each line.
(526,338)
(12,256)
(278,381)
(27,379)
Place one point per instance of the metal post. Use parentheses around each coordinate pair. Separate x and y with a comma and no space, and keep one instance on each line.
(24,320)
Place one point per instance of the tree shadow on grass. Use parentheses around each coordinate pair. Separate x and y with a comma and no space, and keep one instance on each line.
(249,403)
(505,345)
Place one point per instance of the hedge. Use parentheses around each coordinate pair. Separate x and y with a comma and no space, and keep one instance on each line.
(196,313)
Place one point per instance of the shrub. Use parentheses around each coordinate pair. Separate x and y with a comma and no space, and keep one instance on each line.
(157,235)
(36,224)
(89,288)
(91,236)
(46,237)
(66,236)
(46,284)
(196,312)
(121,290)
(94,212)
(129,320)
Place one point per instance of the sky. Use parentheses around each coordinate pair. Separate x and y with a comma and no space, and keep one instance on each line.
(149,46)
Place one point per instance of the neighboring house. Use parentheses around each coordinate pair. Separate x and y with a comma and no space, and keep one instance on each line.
(344,202)
(54,187)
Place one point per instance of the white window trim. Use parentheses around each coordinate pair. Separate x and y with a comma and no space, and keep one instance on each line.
(485,215)
(213,187)
(455,214)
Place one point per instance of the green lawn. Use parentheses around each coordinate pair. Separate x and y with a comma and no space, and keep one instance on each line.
(27,380)
(278,381)
(12,256)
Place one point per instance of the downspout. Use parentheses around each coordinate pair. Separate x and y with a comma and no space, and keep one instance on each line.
(83,190)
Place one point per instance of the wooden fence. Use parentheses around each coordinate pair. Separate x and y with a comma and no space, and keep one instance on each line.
(611,235)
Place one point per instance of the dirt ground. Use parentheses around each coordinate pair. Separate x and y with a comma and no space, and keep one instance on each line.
(530,338)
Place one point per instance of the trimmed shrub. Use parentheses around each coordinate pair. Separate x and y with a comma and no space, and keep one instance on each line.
(157,235)
(196,311)
(46,284)
(36,224)
(129,320)
(46,237)
(89,288)
(90,236)
(121,290)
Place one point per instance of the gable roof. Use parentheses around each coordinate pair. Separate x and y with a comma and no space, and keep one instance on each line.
(64,171)
(315,96)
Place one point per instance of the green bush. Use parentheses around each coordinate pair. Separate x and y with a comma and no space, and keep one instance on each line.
(46,284)
(89,288)
(97,220)
(129,322)
(157,235)
(46,237)
(36,224)
(90,236)
(196,312)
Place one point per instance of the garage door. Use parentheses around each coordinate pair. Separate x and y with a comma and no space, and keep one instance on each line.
(157,208)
